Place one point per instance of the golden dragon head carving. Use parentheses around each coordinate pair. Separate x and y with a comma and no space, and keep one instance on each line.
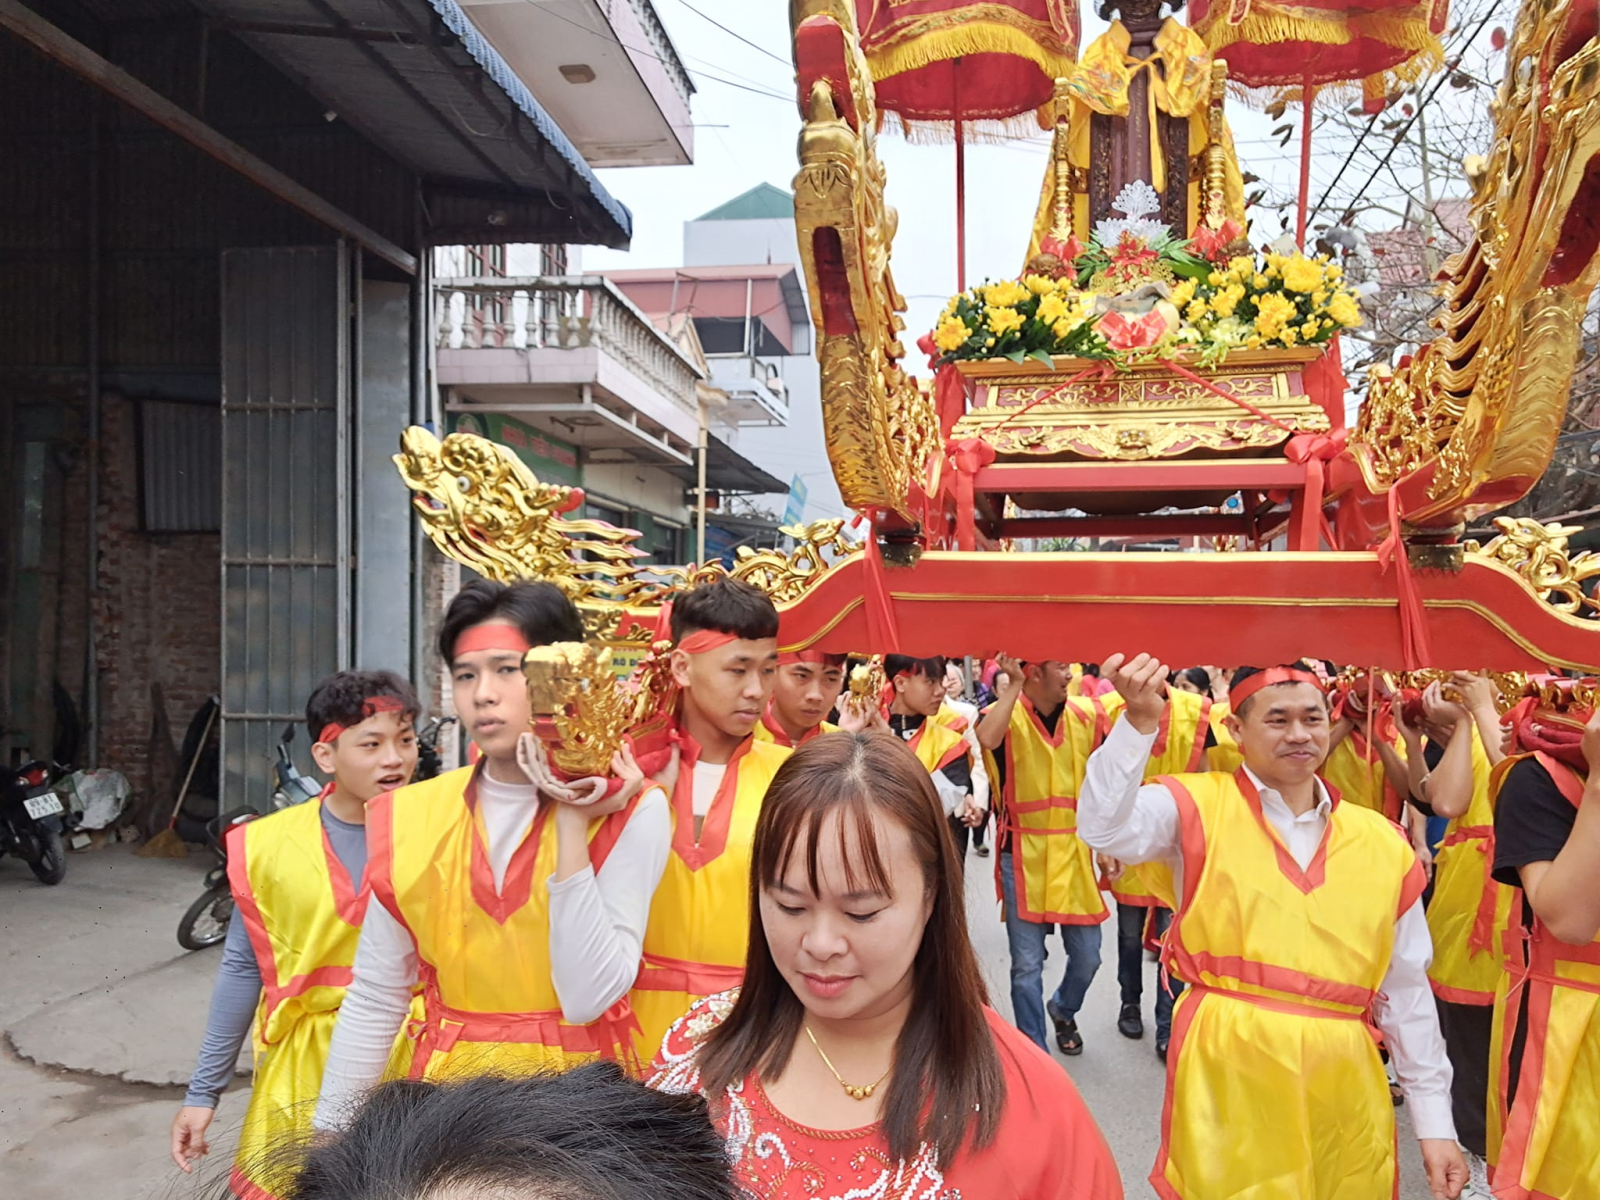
(481,506)
(1478,410)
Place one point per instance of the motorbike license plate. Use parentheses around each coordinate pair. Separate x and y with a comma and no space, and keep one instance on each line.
(47,805)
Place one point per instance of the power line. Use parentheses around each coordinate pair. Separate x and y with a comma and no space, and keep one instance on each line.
(1399,137)
(613,40)
(732,34)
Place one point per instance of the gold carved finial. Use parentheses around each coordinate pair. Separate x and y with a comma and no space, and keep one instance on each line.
(580,708)
(1539,554)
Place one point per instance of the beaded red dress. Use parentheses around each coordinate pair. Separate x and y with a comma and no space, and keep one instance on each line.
(1047,1148)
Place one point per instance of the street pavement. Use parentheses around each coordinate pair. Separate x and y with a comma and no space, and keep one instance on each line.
(102,1014)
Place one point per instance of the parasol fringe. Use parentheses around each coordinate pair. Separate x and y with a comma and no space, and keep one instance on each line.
(941,45)
(976,130)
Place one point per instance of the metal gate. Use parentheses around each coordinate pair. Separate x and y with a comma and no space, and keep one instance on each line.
(287,315)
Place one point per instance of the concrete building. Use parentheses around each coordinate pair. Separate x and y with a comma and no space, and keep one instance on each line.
(217,242)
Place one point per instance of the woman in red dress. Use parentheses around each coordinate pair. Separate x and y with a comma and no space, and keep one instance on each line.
(860,1059)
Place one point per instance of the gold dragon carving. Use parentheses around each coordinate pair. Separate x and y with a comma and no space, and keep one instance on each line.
(1482,405)
(481,506)
(881,428)
(1538,553)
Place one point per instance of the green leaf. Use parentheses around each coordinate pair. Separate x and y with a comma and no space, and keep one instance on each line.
(1044,357)
(1016,356)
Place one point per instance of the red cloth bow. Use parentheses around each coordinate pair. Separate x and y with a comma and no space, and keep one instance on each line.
(1414,647)
(966,458)
(1124,333)
(1315,449)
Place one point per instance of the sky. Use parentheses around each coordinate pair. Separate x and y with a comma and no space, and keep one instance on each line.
(743,138)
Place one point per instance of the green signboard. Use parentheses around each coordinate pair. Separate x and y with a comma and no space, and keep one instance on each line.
(550,458)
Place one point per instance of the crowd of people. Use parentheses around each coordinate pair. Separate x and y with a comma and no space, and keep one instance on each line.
(742,967)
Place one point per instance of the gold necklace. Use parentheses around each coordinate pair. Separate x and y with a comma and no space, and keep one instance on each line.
(856,1091)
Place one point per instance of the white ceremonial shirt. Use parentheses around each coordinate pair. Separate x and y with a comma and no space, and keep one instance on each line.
(1134,823)
(597,924)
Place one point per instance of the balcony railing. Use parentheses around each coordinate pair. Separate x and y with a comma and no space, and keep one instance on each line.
(563,312)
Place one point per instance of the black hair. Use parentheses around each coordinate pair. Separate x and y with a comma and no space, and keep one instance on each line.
(540,610)
(725,606)
(1195,675)
(1092,670)
(1244,673)
(588,1134)
(903,664)
(341,698)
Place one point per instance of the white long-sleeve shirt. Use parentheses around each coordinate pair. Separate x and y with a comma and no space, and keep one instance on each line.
(980,772)
(1139,823)
(597,924)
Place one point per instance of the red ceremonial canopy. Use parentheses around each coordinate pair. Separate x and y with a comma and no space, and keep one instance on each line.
(1312,43)
(938,62)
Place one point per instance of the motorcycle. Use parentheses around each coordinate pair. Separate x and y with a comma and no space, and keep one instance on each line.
(33,821)
(205,922)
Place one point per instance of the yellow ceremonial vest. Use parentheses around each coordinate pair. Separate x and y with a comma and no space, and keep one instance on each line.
(1543,1139)
(489,1002)
(303,913)
(937,744)
(1275,1090)
(1225,756)
(1361,779)
(768,730)
(1469,912)
(1054,867)
(699,930)
(1180,747)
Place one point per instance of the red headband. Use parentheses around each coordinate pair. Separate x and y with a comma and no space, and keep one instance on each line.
(702,640)
(374,706)
(1245,688)
(492,636)
(815,657)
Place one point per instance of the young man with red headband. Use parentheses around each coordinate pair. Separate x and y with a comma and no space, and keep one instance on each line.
(804,691)
(937,735)
(297,878)
(521,914)
(725,656)
(1298,922)
(1544,1120)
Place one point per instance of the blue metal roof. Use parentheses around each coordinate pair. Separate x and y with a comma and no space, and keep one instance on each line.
(498,70)
(417,78)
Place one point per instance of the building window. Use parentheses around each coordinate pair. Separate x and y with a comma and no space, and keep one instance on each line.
(552,260)
(180,467)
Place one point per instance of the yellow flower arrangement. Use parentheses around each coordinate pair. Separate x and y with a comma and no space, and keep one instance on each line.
(1052,308)
(1006,294)
(1195,311)
(1301,274)
(1343,310)
(1274,311)
(1039,285)
(1003,320)
(1182,294)
(951,333)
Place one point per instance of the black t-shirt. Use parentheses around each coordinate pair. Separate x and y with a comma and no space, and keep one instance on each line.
(1532,820)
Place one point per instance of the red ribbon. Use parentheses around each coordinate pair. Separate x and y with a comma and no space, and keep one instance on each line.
(1313,450)
(1178,369)
(966,458)
(1414,648)
(949,397)
(1101,368)
(882,631)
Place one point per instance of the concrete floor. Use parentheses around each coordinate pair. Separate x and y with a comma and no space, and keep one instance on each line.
(102,1014)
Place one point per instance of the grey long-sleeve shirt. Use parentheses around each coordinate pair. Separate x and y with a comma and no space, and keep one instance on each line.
(238,986)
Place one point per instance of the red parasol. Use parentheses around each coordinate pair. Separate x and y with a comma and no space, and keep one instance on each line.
(958,70)
(1308,44)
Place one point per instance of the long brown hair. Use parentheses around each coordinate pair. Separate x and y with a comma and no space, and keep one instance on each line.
(947,1085)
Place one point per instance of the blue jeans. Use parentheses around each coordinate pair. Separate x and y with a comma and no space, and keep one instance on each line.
(1028,952)
(1130,964)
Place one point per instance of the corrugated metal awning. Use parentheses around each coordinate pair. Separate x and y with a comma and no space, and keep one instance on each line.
(417,78)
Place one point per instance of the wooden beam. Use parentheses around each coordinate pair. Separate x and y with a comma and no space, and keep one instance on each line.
(1136,527)
(84,62)
(1200,475)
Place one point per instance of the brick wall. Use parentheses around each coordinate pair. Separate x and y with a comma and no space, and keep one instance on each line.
(158,611)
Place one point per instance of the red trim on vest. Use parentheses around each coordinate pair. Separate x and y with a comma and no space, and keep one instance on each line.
(713,839)
(1054,739)
(1313,876)
(1197,753)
